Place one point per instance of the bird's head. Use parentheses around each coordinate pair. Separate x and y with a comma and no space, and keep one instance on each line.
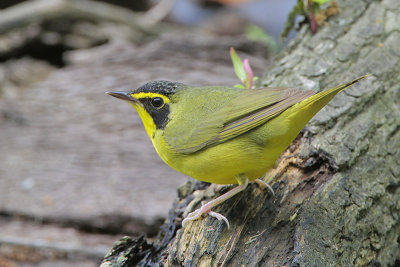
(152,101)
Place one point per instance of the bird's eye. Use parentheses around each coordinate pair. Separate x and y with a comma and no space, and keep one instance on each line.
(157,102)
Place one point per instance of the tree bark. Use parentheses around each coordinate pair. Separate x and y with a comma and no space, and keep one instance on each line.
(337,187)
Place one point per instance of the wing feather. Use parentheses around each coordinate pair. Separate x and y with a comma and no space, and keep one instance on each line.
(249,109)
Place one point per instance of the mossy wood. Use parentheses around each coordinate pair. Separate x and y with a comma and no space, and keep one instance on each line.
(337,187)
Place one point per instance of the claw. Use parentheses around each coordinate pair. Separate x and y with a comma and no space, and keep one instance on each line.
(197,214)
(219,217)
(206,207)
(265,185)
(189,218)
(192,217)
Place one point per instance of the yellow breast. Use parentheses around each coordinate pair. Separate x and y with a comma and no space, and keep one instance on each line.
(221,163)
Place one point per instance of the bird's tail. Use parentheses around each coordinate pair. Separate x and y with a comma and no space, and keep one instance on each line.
(307,108)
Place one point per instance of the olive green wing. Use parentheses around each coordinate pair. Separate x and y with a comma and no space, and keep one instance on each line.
(236,123)
(249,109)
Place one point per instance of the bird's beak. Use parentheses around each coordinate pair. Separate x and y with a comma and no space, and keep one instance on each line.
(122,95)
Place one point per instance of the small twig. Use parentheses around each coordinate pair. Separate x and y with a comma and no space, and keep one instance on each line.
(158,12)
(36,11)
(313,22)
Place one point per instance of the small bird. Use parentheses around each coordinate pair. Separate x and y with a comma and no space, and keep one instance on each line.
(220,134)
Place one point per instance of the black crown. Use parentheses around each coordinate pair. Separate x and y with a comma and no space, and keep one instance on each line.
(161,87)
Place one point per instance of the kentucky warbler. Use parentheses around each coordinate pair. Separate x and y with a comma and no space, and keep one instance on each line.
(221,134)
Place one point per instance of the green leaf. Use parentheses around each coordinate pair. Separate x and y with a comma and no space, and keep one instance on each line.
(291,20)
(238,66)
(241,86)
(257,34)
(320,2)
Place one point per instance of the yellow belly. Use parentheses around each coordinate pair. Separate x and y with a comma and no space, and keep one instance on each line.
(251,154)
(220,164)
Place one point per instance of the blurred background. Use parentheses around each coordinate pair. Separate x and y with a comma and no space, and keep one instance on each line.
(77,170)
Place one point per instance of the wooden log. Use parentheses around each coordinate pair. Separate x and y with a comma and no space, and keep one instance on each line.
(337,187)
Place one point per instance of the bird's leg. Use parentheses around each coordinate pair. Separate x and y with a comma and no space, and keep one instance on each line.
(206,207)
(264,184)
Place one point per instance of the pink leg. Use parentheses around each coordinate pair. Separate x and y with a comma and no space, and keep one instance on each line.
(206,208)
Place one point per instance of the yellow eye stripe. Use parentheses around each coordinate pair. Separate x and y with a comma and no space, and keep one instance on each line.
(150,95)
(147,119)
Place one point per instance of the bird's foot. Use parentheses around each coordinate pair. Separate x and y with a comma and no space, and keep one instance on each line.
(205,209)
(263,184)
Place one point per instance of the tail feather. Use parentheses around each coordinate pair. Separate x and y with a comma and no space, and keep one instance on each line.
(310,106)
(284,128)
